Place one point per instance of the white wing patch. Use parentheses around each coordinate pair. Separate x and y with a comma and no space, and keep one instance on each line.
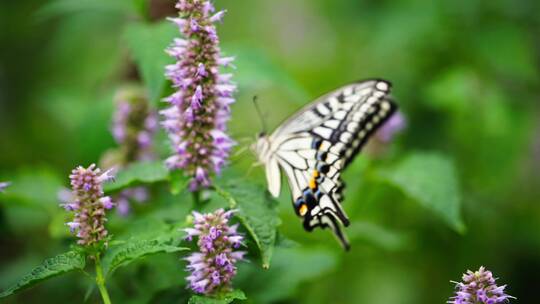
(273,177)
(323,132)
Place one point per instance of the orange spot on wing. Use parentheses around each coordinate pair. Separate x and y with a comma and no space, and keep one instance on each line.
(303,209)
(312,184)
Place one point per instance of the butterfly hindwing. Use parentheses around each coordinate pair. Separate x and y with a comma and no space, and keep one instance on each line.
(316,144)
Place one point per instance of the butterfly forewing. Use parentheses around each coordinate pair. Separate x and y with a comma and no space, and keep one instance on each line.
(316,144)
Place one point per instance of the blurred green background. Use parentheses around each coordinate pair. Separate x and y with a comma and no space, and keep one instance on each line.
(465,73)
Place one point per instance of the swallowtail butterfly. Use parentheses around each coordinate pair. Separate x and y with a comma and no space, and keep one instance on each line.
(316,144)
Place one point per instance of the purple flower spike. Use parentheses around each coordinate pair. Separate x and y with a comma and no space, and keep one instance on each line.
(88,204)
(134,124)
(479,288)
(201,105)
(213,267)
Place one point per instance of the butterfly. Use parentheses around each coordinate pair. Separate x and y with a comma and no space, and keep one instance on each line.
(317,143)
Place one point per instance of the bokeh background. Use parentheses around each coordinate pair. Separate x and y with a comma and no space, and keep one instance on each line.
(465,73)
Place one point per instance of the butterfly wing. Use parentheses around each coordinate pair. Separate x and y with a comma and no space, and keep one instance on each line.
(316,144)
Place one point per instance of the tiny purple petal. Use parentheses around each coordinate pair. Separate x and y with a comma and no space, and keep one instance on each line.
(192,232)
(194,25)
(197,98)
(4,185)
(208,8)
(107,176)
(218,17)
(73,226)
(106,202)
(123,207)
(201,70)
(225,61)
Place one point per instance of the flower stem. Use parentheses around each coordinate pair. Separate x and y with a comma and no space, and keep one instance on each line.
(198,202)
(100,281)
(196,197)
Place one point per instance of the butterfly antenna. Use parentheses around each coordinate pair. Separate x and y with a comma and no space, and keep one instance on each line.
(245,139)
(240,151)
(259,112)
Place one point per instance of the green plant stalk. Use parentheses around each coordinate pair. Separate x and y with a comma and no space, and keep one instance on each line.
(196,197)
(100,281)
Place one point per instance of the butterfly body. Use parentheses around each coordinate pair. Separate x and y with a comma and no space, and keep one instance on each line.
(315,145)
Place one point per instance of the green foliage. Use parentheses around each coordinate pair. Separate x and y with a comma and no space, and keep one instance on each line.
(258,72)
(137,174)
(465,75)
(290,268)
(378,236)
(511,43)
(226,298)
(257,213)
(134,249)
(52,267)
(147,43)
(431,180)
(64,7)
(178,182)
(36,188)
(472,101)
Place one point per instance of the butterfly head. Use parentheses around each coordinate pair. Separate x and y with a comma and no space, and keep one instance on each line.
(261,147)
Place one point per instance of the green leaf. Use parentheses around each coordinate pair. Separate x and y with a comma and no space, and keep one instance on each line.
(290,268)
(147,43)
(430,179)
(58,265)
(222,299)
(134,249)
(284,242)
(178,182)
(257,213)
(138,173)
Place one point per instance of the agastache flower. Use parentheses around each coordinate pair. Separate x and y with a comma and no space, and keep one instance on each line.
(137,194)
(200,108)
(395,124)
(213,267)
(4,185)
(88,203)
(134,124)
(479,287)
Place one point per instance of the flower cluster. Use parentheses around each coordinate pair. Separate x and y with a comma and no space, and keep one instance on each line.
(200,106)
(213,267)
(134,124)
(89,204)
(133,127)
(479,287)
(395,124)
(4,185)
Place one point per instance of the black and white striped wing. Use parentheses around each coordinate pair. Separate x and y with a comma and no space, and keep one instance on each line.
(316,144)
